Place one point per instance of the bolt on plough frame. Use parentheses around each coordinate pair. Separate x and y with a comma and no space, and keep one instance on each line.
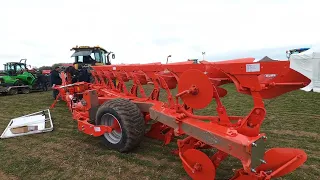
(119,115)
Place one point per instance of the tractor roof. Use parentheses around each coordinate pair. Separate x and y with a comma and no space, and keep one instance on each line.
(86,48)
(15,63)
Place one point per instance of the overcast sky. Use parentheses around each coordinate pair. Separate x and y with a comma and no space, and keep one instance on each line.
(147,31)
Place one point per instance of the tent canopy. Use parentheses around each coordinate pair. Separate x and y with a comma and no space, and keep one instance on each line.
(308,64)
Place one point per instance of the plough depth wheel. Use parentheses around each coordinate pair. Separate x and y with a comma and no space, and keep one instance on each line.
(127,122)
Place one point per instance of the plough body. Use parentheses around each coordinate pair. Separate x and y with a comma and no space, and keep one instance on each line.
(120,114)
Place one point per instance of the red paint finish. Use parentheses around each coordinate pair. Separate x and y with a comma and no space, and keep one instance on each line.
(198,85)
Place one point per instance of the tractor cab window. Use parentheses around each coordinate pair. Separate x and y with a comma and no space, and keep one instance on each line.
(84,59)
(103,57)
(97,57)
(79,59)
(18,68)
(89,56)
(10,67)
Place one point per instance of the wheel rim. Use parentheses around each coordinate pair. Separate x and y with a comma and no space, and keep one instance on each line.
(115,135)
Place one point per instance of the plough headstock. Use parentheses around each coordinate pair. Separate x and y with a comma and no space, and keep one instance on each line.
(198,85)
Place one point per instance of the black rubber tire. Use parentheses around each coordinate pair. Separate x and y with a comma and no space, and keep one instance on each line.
(131,121)
(25,90)
(13,91)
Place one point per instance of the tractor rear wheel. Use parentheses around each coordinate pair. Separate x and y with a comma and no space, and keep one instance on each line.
(128,123)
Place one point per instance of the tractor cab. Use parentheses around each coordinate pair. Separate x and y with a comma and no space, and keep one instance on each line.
(18,74)
(14,68)
(87,56)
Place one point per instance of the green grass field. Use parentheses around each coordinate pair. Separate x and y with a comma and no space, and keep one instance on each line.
(293,120)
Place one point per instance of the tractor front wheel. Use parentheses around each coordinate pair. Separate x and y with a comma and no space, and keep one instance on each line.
(13,91)
(127,121)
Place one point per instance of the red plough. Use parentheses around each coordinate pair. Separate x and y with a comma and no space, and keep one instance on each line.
(119,114)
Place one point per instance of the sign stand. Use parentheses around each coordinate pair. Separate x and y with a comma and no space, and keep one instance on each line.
(38,122)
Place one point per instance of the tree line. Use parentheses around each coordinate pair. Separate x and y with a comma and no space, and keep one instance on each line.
(49,67)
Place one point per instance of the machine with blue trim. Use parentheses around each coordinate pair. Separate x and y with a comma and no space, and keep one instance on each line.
(295,51)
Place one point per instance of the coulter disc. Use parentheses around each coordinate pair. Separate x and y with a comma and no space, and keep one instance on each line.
(204,168)
(199,80)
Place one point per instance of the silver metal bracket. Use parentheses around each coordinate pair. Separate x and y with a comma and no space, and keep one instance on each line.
(38,122)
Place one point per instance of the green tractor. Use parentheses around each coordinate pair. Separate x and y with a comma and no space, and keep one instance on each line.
(17,76)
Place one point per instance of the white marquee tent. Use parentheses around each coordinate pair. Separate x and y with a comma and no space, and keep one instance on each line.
(308,64)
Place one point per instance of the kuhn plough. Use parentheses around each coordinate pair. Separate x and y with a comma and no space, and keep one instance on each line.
(119,114)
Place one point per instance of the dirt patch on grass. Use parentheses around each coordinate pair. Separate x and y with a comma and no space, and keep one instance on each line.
(308,167)
(296,133)
(4,176)
(156,161)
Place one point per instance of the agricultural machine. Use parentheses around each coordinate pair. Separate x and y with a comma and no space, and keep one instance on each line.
(86,57)
(295,51)
(16,78)
(119,115)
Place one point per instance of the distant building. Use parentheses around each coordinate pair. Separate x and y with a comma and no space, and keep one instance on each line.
(66,64)
(195,61)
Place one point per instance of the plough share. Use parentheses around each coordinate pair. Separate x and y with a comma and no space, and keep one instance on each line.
(119,115)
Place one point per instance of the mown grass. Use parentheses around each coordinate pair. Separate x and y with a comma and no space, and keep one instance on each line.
(293,120)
